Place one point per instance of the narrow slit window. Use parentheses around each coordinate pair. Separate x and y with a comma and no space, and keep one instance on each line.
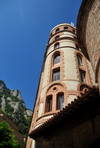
(60,101)
(49,103)
(79,58)
(83,76)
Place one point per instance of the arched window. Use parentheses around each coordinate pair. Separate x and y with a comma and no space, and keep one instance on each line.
(56,74)
(79,59)
(49,104)
(56,45)
(57,58)
(60,101)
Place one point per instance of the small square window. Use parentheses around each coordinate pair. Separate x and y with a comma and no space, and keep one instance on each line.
(57,37)
(57,30)
(56,45)
(65,28)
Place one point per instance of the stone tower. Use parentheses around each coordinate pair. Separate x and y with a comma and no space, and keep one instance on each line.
(66,73)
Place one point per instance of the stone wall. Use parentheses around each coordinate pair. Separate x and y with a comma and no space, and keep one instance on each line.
(88,32)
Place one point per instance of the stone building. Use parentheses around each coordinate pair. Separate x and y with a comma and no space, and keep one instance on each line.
(88,32)
(66,110)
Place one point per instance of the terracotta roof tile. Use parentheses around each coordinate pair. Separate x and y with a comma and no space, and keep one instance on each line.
(72,112)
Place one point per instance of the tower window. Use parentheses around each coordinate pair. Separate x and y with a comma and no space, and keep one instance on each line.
(65,28)
(57,37)
(56,74)
(79,58)
(49,103)
(56,45)
(60,101)
(57,58)
(82,76)
(57,30)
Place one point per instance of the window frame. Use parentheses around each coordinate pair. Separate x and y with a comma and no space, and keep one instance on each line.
(65,28)
(79,60)
(82,75)
(57,30)
(56,74)
(57,45)
(57,37)
(48,106)
(60,101)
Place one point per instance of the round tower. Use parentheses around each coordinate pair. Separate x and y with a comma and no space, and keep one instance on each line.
(66,73)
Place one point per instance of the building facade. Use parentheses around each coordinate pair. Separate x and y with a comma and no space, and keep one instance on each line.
(66,75)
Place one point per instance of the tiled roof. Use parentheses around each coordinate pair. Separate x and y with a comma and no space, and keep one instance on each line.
(75,113)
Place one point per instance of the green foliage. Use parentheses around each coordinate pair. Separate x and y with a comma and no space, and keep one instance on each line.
(14,98)
(24,129)
(8,108)
(7,139)
(1,111)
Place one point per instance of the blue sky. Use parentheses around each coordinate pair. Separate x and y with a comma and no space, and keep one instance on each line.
(24,30)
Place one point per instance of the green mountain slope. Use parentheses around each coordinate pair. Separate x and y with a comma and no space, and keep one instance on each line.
(12,104)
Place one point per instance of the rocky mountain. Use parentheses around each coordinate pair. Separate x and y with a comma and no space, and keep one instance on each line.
(13,105)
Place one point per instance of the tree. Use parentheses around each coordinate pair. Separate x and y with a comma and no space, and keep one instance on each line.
(7,139)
